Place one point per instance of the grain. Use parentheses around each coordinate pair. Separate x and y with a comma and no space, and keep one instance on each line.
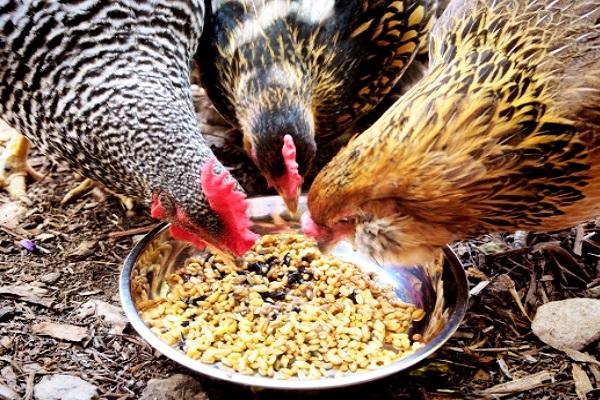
(287,311)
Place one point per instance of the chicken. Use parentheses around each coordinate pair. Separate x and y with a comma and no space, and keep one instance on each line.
(502,134)
(297,75)
(104,87)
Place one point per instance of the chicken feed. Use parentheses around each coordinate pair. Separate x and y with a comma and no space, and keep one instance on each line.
(288,311)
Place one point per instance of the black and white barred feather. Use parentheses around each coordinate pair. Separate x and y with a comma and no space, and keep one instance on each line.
(104,86)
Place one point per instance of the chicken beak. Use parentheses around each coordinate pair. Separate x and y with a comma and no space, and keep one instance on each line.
(325,246)
(291,201)
(228,258)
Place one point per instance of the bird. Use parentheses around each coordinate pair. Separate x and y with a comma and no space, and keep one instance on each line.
(502,134)
(104,87)
(297,77)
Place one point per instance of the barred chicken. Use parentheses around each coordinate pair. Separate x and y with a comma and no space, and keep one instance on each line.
(104,87)
(298,75)
(502,134)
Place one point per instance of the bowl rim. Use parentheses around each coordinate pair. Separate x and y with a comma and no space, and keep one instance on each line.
(128,305)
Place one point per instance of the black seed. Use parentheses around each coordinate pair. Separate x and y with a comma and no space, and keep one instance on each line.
(194,300)
(352,296)
(273,316)
(278,295)
(271,259)
(185,323)
(258,268)
(296,309)
(287,259)
(295,277)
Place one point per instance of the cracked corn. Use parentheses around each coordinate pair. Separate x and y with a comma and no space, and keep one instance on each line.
(288,311)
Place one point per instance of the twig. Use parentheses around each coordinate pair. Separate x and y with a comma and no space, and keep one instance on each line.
(131,232)
(29,391)
(578,245)
(502,349)
(21,237)
(518,385)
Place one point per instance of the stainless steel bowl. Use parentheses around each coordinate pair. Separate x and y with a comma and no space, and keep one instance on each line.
(440,289)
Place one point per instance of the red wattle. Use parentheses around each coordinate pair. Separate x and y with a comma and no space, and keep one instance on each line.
(231,206)
(291,181)
(181,234)
(157,211)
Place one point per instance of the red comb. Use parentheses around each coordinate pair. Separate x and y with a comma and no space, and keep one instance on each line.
(230,205)
(291,180)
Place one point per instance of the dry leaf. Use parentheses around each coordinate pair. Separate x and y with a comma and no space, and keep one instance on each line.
(582,382)
(581,356)
(478,288)
(28,293)
(482,375)
(518,385)
(71,333)
(112,315)
(84,249)
(504,367)
(504,283)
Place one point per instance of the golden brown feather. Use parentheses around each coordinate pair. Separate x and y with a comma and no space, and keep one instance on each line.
(502,134)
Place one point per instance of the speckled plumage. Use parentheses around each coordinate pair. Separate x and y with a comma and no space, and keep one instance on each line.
(308,68)
(104,86)
(502,134)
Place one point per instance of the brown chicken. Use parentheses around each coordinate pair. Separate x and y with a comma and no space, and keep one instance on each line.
(502,134)
(297,75)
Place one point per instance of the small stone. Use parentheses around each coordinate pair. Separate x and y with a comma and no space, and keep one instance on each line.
(50,278)
(176,387)
(7,393)
(64,387)
(11,214)
(42,237)
(568,324)
(6,342)
(33,368)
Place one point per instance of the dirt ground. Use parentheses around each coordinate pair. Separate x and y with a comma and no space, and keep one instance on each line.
(81,246)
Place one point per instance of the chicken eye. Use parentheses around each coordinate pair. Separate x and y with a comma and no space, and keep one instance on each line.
(345,221)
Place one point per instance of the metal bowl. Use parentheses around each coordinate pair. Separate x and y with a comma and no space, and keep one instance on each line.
(440,289)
